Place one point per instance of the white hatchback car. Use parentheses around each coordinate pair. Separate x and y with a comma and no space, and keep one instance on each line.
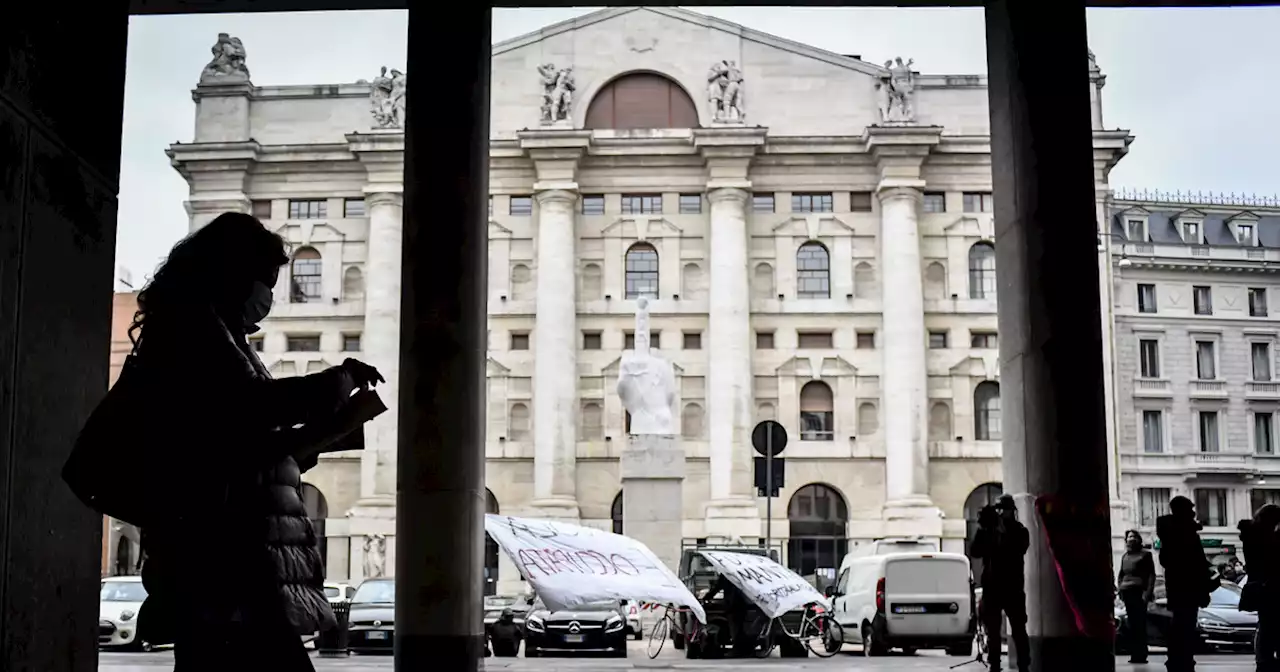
(119,603)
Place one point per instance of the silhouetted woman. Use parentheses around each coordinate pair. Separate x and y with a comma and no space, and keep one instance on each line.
(1262,549)
(234,571)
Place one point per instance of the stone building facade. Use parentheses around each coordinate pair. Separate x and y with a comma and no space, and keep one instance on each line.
(1195,341)
(814,233)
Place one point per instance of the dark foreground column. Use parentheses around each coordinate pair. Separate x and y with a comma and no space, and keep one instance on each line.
(439,525)
(60,152)
(1050,321)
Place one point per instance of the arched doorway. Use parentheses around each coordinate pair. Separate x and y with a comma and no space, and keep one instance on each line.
(317,508)
(983,495)
(641,100)
(819,522)
(615,512)
(490,548)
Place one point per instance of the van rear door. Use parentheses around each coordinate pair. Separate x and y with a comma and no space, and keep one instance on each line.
(927,596)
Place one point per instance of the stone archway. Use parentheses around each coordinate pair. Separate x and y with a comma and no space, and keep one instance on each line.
(641,100)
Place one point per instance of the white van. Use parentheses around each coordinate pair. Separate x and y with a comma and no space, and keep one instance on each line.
(906,601)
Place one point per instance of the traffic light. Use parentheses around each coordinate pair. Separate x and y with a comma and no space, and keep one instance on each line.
(779,475)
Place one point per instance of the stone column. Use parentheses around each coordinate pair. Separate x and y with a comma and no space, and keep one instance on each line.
(1051,358)
(381,341)
(732,510)
(555,345)
(903,378)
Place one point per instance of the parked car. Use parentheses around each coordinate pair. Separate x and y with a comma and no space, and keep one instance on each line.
(373,617)
(338,592)
(599,628)
(633,619)
(119,603)
(1221,626)
(494,604)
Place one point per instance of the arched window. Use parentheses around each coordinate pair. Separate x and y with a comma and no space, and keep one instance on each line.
(518,423)
(641,100)
(762,282)
(305,276)
(642,271)
(817,412)
(592,282)
(693,282)
(983,495)
(986,411)
(592,421)
(935,282)
(939,422)
(982,271)
(317,508)
(490,548)
(352,284)
(813,271)
(521,283)
(819,529)
(868,419)
(615,512)
(864,281)
(691,421)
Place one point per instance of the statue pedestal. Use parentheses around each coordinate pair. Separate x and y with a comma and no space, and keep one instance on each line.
(653,470)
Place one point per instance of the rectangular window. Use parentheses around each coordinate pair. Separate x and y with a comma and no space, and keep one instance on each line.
(629,340)
(521,206)
(814,340)
(934,201)
(978,202)
(592,204)
(308,209)
(491,205)
(1202,300)
(866,340)
(351,342)
(860,201)
(353,207)
(1149,357)
(256,343)
(1208,431)
(693,340)
(519,341)
(642,204)
(1244,234)
(762,203)
(302,343)
(811,203)
(1152,503)
(1211,507)
(1260,497)
(1146,298)
(1191,233)
(1136,230)
(591,340)
(1264,440)
(764,340)
(1206,362)
(1153,431)
(937,340)
(1260,353)
(984,340)
(1257,302)
(262,209)
(690,204)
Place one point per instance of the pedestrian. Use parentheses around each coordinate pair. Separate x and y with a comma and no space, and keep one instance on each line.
(1136,583)
(1187,580)
(505,635)
(1261,544)
(1002,542)
(227,426)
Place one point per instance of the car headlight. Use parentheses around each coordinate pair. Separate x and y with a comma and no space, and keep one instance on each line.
(1206,619)
(126,615)
(534,623)
(614,623)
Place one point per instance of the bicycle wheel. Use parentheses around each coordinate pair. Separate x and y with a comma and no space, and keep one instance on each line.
(658,636)
(823,635)
(762,629)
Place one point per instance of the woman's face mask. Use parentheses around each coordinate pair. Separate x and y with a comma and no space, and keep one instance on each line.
(258,304)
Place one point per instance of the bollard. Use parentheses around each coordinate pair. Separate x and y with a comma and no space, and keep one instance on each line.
(333,643)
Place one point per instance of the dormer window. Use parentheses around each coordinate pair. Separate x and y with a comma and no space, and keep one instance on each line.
(1244,234)
(1137,230)
(1191,233)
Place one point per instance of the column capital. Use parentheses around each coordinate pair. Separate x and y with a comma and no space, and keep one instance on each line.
(563,193)
(890,189)
(717,194)
(383,197)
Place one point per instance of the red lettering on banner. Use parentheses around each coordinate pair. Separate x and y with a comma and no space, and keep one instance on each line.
(589,557)
(552,561)
(531,559)
(615,558)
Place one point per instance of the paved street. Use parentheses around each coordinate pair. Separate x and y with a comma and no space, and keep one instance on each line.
(670,660)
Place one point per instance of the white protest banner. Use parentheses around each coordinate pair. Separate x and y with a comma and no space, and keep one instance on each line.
(769,585)
(570,565)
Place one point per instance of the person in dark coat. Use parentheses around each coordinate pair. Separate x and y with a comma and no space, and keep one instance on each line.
(1261,541)
(1002,542)
(1136,583)
(737,605)
(1186,580)
(237,572)
(505,635)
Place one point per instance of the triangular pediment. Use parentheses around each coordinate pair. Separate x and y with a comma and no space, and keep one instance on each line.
(495,369)
(611,369)
(816,367)
(986,367)
(641,227)
(1189,213)
(1245,216)
(971,227)
(1136,210)
(497,230)
(813,226)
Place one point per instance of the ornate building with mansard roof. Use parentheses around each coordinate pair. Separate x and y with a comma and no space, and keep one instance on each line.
(813,232)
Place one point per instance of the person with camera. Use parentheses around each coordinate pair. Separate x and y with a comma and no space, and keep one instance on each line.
(1136,583)
(1001,543)
(1188,580)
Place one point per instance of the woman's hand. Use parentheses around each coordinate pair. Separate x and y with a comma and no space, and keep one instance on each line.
(363,375)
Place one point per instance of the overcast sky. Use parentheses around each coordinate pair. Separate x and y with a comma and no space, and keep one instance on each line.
(1196,86)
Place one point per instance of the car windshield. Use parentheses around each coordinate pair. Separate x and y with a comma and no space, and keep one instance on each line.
(123,591)
(499,602)
(332,591)
(1225,596)
(382,592)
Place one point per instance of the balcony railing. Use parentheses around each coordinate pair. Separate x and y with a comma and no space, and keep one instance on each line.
(1220,462)
(1215,389)
(1152,387)
(1262,390)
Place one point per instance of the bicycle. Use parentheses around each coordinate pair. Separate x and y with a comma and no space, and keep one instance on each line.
(667,624)
(815,624)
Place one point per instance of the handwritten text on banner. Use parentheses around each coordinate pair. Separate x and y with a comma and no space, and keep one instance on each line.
(767,584)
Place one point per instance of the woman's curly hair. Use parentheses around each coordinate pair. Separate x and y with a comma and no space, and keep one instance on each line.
(215,261)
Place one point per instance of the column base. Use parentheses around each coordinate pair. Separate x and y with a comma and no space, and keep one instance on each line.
(734,521)
(1071,654)
(463,653)
(559,509)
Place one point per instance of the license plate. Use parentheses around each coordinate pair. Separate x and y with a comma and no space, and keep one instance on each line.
(573,639)
(376,634)
(909,609)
